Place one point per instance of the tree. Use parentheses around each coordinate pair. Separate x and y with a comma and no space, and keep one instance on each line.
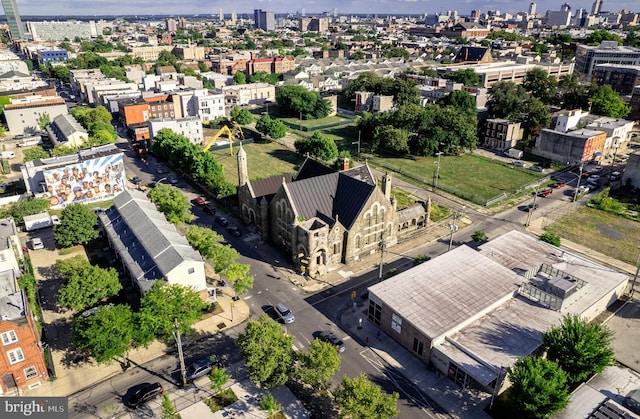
(468,77)
(573,95)
(203,239)
(606,102)
(537,116)
(508,100)
(76,226)
(243,117)
(460,100)
(35,153)
(168,409)
(172,203)
(541,85)
(550,238)
(62,150)
(162,305)
(298,101)
(390,138)
(580,348)
(322,147)
(538,387)
(240,277)
(267,351)
(270,405)
(218,377)
(239,78)
(596,37)
(85,285)
(44,120)
(479,236)
(222,256)
(360,398)
(107,333)
(318,366)
(23,207)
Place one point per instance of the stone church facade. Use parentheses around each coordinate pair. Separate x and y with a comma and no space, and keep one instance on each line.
(323,218)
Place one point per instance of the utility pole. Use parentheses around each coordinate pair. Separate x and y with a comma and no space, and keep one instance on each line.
(575,193)
(453,227)
(183,370)
(381,247)
(635,278)
(533,206)
(358,142)
(437,174)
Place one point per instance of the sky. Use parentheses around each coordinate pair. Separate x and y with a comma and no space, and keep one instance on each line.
(381,7)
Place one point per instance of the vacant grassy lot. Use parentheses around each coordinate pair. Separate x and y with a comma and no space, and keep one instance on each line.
(263,160)
(606,233)
(471,177)
(311,123)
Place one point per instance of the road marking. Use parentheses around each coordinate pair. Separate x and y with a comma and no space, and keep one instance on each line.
(248,297)
(259,292)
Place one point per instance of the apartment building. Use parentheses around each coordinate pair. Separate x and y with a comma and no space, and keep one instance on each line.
(502,134)
(189,127)
(621,78)
(201,103)
(608,52)
(273,65)
(149,53)
(244,94)
(23,114)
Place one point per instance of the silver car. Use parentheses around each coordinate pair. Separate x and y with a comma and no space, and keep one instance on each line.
(284,313)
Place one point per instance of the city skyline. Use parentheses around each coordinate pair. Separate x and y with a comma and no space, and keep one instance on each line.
(206,7)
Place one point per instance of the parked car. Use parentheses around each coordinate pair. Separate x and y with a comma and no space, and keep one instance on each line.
(284,313)
(519,163)
(173,180)
(222,221)
(331,338)
(558,185)
(144,394)
(532,207)
(234,231)
(615,176)
(200,368)
(199,201)
(545,192)
(582,189)
(36,243)
(161,170)
(593,178)
(632,401)
(136,179)
(209,209)
(537,168)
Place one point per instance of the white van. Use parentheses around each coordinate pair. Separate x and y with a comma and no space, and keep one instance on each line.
(7,155)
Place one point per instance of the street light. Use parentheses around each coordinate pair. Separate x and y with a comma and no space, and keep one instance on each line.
(575,193)
(635,277)
(381,247)
(453,227)
(437,174)
(533,206)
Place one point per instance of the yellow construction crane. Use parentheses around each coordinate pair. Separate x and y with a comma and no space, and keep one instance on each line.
(225,130)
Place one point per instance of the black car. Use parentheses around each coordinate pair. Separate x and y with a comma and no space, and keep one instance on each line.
(222,221)
(331,338)
(136,179)
(532,207)
(145,393)
(209,209)
(234,231)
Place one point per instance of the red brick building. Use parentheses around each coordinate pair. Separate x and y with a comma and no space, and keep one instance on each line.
(276,65)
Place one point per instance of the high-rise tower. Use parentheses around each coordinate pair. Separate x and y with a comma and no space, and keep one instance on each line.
(597,6)
(532,9)
(13,19)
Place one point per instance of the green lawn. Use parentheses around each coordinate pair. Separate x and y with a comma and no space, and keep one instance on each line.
(601,231)
(471,177)
(263,160)
(311,123)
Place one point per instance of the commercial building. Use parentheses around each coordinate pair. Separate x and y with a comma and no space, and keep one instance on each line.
(571,147)
(22,364)
(23,114)
(471,314)
(264,20)
(16,27)
(44,56)
(61,30)
(244,94)
(96,89)
(149,54)
(149,247)
(608,52)
(621,78)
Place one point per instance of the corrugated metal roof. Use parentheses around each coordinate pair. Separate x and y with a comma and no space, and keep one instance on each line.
(269,186)
(438,295)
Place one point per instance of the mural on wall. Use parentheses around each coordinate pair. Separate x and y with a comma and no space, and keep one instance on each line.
(86,181)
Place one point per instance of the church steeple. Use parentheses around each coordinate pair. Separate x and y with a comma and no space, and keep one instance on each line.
(243,174)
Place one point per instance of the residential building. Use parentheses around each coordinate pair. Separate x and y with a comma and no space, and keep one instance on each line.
(466,30)
(201,103)
(189,53)
(22,364)
(502,134)
(264,20)
(65,29)
(318,24)
(149,54)
(149,247)
(244,94)
(95,90)
(322,218)
(608,52)
(467,54)
(370,102)
(621,78)
(635,104)
(571,147)
(44,56)
(79,78)
(632,170)
(65,130)
(493,307)
(23,114)
(16,27)
(274,65)
(190,127)
(230,64)
(100,167)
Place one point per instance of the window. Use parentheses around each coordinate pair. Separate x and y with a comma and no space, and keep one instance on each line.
(418,346)
(396,323)
(192,270)
(375,312)
(9,337)
(30,372)
(15,356)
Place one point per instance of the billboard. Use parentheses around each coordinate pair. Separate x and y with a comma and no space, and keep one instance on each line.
(85,181)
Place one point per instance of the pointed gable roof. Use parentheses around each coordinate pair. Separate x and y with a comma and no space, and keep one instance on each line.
(312,168)
(267,188)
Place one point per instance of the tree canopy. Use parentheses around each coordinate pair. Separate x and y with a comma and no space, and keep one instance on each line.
(403,92)
(580,348)
(274,128)
(84,284)
(267,351)
(19,209)
(538,387)
(606,102)
(35,153)
(360,398)
(77,226)
(298,101)
(172,203)
(318,366)
(319,146)
(241,116)
(468,77)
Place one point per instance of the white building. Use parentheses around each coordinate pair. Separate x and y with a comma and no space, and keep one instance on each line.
(190,127)
(23,114)
(59,30)
(244,94)
(588,57)
(96,89)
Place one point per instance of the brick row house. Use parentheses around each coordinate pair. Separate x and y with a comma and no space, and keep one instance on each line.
(22,365)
